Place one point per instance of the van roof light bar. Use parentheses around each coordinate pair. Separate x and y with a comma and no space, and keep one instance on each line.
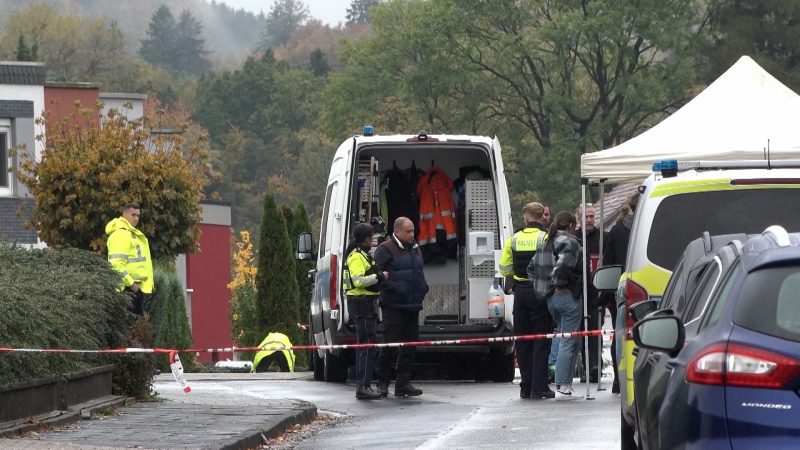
(670,167)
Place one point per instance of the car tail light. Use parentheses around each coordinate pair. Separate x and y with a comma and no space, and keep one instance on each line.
(634,293)
(741,365)
(334,285)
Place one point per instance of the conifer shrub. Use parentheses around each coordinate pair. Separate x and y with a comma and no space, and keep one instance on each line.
(169,319)
(276,284)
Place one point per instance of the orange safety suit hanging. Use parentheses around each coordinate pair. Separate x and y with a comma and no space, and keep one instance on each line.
(436,207)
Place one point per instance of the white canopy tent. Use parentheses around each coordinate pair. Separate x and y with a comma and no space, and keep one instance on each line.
(734,118)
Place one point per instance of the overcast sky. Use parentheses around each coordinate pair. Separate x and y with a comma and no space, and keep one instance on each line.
(329,11)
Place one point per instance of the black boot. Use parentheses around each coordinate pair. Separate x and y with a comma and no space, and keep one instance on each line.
(366,393)
(406,390)
(382,388)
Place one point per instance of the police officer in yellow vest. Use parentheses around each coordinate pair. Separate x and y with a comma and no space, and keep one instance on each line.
(531,315)
(362,279)
(283,358)
(129,254)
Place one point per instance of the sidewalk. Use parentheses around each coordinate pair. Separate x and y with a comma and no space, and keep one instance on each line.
(192,422)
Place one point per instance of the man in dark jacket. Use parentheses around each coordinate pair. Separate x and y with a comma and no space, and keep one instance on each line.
(591,251)
(401,300)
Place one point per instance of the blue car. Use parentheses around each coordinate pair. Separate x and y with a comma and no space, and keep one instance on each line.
(734,382)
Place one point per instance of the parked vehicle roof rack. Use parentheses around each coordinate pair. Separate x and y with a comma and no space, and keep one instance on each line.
(779,234)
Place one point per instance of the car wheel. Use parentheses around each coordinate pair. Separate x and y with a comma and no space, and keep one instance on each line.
(627,441)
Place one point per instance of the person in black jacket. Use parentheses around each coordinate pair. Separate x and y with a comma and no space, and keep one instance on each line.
(591,251)
(401,300)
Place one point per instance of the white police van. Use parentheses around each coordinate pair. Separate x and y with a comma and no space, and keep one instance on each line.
(459,275)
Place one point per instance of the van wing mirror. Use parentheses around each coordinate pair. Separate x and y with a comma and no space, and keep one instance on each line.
(606,278)
(304,247)
(664,333)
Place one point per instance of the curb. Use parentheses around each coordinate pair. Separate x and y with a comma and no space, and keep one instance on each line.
(305,413)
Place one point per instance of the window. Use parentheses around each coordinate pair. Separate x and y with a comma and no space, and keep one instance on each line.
(699,300)
(721,299)
(679,219)
(770,302)
(675,288)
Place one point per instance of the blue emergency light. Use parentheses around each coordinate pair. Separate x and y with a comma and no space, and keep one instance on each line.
(667,167)
(368,130)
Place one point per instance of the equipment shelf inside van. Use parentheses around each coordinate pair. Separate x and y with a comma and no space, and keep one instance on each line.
(375,179)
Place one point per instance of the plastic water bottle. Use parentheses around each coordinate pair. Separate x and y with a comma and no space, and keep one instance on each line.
(496,301)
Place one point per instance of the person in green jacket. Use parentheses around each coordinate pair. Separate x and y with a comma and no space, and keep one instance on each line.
(129,254)
(362,279)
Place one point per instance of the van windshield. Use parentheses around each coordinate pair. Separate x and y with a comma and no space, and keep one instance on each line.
(681,218)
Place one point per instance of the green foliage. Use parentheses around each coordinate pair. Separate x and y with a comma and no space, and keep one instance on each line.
(318,64)
(75,48)
(159,45)
(61,299)
(276,285)
(25,53)
(87,172)
(284,17)
(260,117)
(300,224)
(358,11)
(177,47)
(766,30)
(167,310)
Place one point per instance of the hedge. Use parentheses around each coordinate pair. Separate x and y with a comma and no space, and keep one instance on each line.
(65,299)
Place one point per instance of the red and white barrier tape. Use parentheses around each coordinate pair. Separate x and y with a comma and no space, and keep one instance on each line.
(177,367)
(483,340)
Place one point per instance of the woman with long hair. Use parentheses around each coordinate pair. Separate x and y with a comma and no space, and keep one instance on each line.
(554,272)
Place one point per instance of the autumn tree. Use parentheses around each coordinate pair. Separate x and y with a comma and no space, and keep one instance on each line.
(74,48)
(276,285)
(284,17)
(87,172)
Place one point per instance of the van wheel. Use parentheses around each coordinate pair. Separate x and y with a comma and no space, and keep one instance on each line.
(627,442)
(315,363)
(334,368)
(502,367)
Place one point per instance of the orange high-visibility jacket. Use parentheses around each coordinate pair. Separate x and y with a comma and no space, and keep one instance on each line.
(436,207)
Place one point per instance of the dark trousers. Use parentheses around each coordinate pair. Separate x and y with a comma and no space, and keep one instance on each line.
(531,317)
(362,315)
(137,301)
(398,326)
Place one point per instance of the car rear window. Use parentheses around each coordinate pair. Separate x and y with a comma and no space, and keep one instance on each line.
(681,218)
(770,302)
